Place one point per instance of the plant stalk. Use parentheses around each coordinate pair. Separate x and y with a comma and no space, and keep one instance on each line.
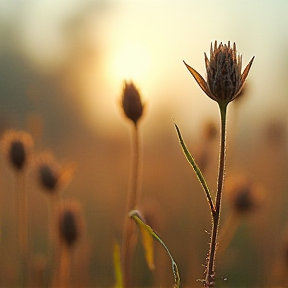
(129,235)
(209,280)
(54,244)
(22,210)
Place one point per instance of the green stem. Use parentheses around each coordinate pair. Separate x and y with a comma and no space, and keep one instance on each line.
(210,269)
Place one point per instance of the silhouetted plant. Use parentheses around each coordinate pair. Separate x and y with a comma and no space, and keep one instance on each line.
(70,228)
(52,178)
(17,147)
(133,109)
(224,83)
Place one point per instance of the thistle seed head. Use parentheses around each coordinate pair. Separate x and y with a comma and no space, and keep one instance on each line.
(224,79)
(131,102)
(70,223)
(17,147)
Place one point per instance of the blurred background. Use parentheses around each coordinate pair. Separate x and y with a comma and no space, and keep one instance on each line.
(62,67)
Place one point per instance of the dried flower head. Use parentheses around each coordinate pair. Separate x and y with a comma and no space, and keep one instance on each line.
(245,196)
(224,79)
(131,102)
(17,147)
(70,223)
(50,174)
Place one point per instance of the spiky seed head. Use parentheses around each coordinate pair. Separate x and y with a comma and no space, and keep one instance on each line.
(131,102)
(17,147)
(70,223)
(224,79)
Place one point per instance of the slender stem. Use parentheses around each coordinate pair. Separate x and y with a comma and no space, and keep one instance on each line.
(134,193)
(129,235)
(53,249)
(22,202)
(210,270)
(64,267)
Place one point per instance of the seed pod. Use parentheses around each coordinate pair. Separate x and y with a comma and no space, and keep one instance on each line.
(17,147)
(70,223)
(131,102)
(50,175)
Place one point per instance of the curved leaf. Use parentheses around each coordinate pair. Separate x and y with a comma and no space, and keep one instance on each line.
(144,227)
(195,167)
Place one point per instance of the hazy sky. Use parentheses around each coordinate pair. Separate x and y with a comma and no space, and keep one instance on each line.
(146,41)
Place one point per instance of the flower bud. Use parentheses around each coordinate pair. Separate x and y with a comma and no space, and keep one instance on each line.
(50,175)
(17,146)
(70,223)
(131,102)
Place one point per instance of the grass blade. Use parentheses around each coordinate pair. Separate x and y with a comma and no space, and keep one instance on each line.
(135,216)
(196,168)
(117,266)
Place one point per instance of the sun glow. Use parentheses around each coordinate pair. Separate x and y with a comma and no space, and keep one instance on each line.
(131,61)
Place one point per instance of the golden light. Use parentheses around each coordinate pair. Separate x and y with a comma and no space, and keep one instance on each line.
(122,61)
(131,61)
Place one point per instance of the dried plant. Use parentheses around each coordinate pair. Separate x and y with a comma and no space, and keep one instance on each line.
(224,83)
(17,147)
(70,229)
(133,109)
(52,178)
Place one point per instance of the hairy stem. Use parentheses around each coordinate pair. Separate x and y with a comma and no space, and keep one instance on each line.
(210,270)
(129,235)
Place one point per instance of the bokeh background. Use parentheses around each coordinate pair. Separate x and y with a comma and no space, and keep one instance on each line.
(62,67)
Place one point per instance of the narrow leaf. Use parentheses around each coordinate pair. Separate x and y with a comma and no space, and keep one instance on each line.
(135,216)
(195,168)
(117,266)
(147,240)
(200,80)
(246,71)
